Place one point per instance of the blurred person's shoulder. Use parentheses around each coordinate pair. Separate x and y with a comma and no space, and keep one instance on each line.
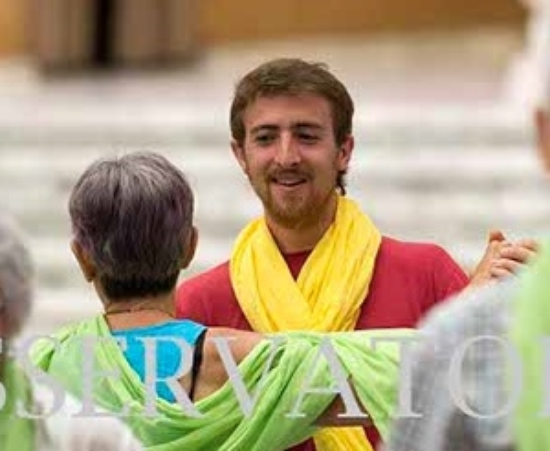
(475,312)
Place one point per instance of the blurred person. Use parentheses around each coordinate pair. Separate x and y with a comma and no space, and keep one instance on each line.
(132,222)
(315,261)
(59,431)
(498,402)
(528,75)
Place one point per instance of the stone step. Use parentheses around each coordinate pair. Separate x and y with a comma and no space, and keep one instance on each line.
(57,267)
(57,306)
(476,164)
(58,124)
(448,194)
(423,170)
(415,175)
(221,207)
(62,166)
(456,223)
(54,308)
(446,176)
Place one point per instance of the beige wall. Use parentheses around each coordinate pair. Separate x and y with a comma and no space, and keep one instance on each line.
(12,27)
(230,20)
(227,20)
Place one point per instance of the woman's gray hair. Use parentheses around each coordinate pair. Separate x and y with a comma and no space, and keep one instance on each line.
(16,276)
(133,215)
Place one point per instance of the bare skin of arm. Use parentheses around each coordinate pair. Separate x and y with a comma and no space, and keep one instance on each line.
(212,374)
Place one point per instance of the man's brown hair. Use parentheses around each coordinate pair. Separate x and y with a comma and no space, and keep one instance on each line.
(292,76)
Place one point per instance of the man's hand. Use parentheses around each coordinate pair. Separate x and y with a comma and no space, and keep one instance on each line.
(502,258)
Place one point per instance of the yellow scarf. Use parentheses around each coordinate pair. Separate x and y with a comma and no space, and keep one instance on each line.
(327,295)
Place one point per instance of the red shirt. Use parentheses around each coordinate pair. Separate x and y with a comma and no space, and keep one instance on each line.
(408,280)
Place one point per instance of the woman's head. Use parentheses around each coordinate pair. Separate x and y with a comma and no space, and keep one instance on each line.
(132,220)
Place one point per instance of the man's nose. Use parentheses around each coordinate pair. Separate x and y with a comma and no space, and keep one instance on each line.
(288,152)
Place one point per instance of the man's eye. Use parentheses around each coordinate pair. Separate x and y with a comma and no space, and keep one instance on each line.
(308,137)
(263,139)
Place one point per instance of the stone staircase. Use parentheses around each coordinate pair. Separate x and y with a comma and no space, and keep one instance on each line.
(447,174)
(438,158)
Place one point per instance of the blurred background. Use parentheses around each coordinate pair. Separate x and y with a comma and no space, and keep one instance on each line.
(444,91)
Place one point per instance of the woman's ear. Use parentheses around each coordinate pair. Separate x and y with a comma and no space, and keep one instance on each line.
(190,247)
(84,261)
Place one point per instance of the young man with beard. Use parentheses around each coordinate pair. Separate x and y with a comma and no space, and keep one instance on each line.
(314,261)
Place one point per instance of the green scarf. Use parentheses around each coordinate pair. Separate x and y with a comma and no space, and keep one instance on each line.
(16,434)
(530,324)
(223,425)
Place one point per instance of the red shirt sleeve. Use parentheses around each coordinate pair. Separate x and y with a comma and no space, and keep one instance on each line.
(448,277)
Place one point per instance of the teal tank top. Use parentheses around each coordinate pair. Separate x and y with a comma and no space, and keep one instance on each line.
(168,354)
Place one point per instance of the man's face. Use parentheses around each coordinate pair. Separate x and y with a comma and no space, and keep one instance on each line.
(291,157)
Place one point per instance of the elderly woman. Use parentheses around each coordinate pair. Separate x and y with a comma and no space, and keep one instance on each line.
(58,431)
(132,219)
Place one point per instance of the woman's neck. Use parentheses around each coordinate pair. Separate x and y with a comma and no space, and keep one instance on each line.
(139,312)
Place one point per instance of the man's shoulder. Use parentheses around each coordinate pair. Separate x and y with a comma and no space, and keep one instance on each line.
(411,250)
(422,274)
(418,255)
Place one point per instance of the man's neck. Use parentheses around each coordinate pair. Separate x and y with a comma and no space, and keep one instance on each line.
(302,237)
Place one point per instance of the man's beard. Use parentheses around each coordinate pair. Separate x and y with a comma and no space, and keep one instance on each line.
(305,210)
(288,214)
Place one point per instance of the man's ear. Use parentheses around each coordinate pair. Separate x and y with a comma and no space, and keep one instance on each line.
(86,265)
(346,150)
(190,247)
(238,152)
(542,121)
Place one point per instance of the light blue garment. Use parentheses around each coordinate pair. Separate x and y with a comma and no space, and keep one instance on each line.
(168,353)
